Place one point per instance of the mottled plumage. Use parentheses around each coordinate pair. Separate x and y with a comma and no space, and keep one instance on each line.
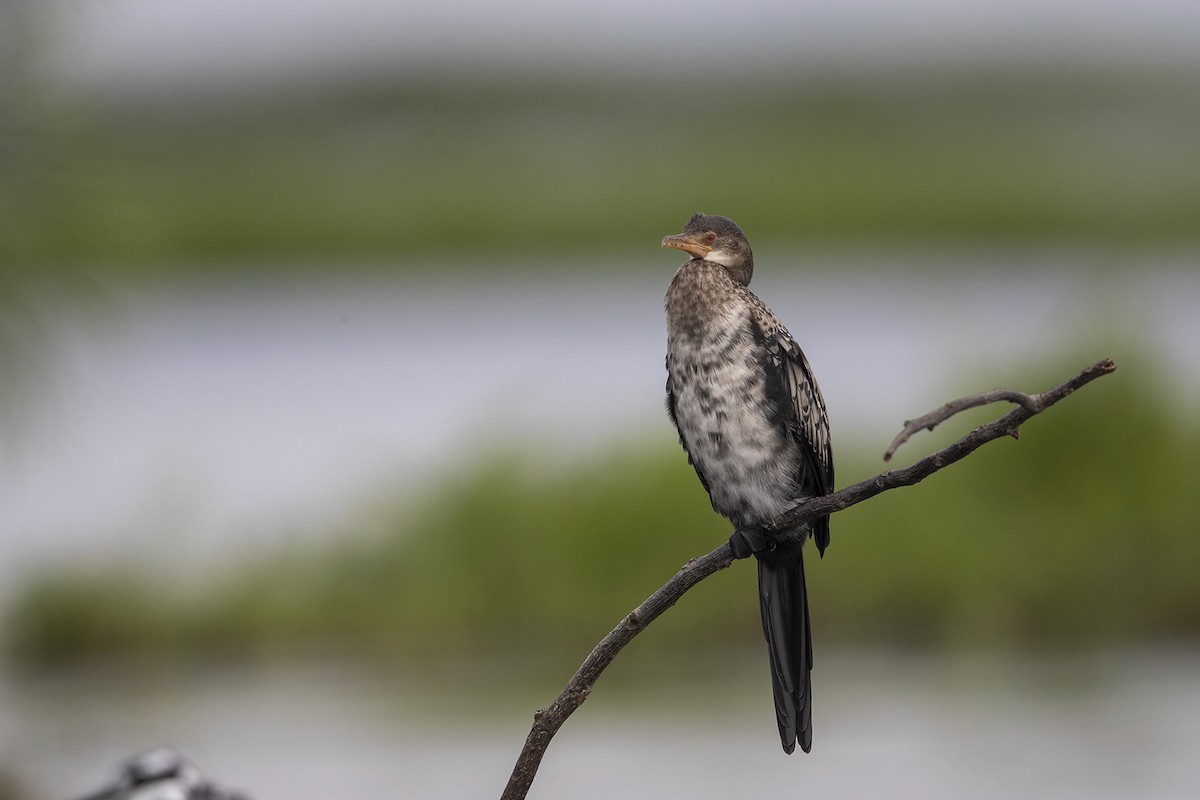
(753,422)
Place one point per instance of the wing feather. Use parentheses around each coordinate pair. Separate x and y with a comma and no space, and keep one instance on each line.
(808,420)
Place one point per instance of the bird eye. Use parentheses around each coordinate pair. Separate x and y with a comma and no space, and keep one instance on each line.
(710,237)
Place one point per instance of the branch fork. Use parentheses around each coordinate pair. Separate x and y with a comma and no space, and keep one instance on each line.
(1033,403)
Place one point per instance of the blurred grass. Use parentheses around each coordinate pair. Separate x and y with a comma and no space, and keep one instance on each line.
(404,167)
(1082,533)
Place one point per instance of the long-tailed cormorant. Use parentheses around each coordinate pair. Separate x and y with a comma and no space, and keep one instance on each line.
(753,422)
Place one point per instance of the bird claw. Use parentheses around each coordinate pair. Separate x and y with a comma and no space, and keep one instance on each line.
(745,542)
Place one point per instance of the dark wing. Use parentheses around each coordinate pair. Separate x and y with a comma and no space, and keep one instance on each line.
(675,422)
(809,421)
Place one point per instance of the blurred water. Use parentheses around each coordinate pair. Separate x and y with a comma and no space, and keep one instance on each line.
(140,41)
(196,421)
(903,726)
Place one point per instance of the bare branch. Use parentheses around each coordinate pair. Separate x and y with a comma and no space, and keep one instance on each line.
(940,415)
(547,721)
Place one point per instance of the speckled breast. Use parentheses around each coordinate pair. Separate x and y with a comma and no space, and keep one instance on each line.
(733,432)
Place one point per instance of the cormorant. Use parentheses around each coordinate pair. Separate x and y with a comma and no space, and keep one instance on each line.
(753,422)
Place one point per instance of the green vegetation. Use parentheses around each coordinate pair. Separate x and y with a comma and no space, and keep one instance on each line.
(401,170)
(1082,532)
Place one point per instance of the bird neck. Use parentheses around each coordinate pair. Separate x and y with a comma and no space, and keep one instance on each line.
(701,295)
(739,267)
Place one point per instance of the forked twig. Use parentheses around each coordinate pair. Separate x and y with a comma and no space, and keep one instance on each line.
(938,416)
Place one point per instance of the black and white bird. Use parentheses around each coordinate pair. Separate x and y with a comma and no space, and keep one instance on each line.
(753,422)
(162,774)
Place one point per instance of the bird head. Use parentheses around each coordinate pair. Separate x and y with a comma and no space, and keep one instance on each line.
(716,239)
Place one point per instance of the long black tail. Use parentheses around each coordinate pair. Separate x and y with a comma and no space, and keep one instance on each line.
(784,601)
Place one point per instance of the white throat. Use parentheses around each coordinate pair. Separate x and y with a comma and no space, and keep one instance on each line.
(722,257)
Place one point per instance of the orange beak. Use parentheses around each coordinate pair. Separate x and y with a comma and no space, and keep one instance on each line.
(691,245)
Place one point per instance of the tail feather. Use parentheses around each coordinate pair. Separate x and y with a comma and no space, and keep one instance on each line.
(784,603)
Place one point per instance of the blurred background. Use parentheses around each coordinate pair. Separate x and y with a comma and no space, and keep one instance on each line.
(331,428)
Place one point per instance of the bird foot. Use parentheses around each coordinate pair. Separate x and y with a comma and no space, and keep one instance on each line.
(745,542)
